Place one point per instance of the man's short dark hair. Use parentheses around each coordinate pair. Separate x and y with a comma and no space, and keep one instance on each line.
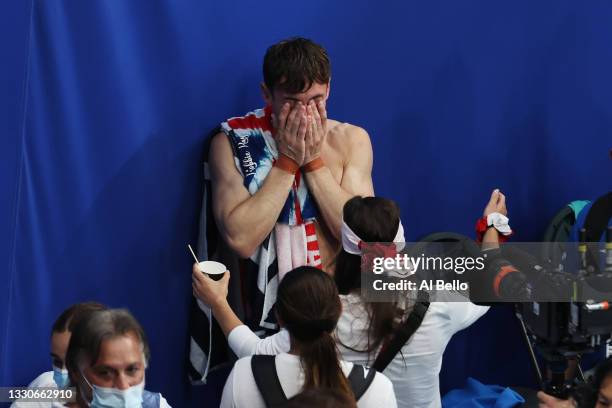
(295,64)
(88,335)
(71,316)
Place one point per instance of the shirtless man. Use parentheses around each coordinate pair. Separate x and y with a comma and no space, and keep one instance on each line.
(335,158)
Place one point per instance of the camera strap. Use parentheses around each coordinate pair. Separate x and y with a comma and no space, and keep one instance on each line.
(403,333)
(268,383)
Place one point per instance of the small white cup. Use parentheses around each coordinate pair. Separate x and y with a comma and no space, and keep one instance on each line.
(214,270)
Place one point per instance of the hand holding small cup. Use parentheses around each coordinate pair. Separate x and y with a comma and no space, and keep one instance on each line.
(210,282)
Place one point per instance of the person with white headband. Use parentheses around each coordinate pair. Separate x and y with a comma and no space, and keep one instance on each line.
(364,327)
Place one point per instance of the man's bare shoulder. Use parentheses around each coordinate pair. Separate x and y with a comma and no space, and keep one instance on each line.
(344,135)
(348,140)
(221,158)
(219,145)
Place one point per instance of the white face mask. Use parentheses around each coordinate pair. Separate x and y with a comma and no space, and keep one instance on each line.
(104,397)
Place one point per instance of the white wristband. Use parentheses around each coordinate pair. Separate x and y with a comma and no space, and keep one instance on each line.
(499,222)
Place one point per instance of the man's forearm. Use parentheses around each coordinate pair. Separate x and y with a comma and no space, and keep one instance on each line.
(330,197)
(251,221)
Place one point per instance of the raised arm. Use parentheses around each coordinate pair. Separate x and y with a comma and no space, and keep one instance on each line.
(357,170)
(241,339)
(496,204)
(244,221)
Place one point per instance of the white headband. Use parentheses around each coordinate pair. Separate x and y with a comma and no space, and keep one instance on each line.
(350,240)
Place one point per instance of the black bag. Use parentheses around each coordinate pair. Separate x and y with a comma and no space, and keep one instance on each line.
(268,383)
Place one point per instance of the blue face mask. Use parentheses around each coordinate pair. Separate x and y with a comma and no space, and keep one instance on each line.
(60,376)
(104,397)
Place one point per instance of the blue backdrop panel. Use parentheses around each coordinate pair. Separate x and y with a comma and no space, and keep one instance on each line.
(13,72)
(104,105)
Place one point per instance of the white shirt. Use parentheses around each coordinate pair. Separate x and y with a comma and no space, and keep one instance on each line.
(46,380)
(241,390)
(163,403)
(414,372)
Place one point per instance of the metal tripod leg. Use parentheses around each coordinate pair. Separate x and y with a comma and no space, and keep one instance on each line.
(580,372)
(534,361)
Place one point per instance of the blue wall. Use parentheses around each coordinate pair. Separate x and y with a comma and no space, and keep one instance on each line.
(104,105)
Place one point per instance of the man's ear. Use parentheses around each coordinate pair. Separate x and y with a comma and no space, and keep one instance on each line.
(328,88)
(266,94)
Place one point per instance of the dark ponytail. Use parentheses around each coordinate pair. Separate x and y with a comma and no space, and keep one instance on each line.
(373,219)
(308,306)
(320,398)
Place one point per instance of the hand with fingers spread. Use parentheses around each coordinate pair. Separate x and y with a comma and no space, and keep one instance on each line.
(209,291)
(290,132)
(497,203)
(316,131)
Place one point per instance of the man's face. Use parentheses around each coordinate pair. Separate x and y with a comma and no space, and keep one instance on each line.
(278,97)
(120,364)
(59,346)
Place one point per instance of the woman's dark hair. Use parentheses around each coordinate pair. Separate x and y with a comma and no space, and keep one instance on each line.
(294,64)
(373,219)
(320,398)
(88,335)
(308,306)
(73,314)
(586,394)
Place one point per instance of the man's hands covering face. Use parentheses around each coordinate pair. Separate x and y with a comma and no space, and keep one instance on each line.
(300,131)
(290,135)
(317,129)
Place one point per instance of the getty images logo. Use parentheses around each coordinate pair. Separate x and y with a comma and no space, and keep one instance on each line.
(403,265)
